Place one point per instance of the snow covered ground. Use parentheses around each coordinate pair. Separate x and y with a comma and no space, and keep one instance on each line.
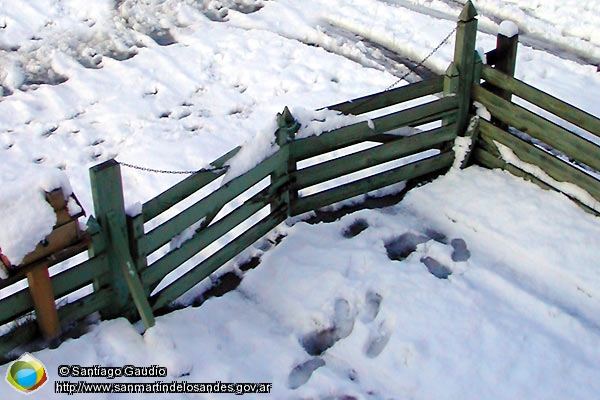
(174,84)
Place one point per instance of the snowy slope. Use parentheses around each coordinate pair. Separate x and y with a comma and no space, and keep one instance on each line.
(174,84)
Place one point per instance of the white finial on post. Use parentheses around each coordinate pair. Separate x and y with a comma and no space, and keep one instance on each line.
(508,29)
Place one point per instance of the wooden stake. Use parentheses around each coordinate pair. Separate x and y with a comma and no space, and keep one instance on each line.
(42,295)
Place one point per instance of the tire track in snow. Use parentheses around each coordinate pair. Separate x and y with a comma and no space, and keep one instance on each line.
(488,24)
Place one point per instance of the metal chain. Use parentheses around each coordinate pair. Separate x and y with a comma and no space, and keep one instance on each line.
(165,171)
(420,64)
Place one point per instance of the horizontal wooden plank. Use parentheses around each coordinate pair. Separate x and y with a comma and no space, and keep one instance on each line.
(543,100)
(15,305)
(401,147)
(78,276)
(68,314)
(159,269)
(63,283)
(185,188)
(540,128)
(59,238)
(179,192)
(365,185)
(349,135)
(17,337)
(162,234)
(214,262)
(391,97)
(488,160)
(554,167)
(84,306)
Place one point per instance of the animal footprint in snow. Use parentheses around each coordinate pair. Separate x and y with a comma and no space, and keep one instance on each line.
(402,246)
(460,253)
(355,228)
(343,320)
(317,342)
(378,339)
(372,306)
(302,372)
(436,268)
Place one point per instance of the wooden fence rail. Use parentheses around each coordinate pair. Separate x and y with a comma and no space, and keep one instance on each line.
(127,264)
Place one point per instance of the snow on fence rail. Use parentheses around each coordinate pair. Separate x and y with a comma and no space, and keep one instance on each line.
(405,141)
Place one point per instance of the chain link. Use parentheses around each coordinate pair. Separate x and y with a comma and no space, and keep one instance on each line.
(165,171)
(420,64)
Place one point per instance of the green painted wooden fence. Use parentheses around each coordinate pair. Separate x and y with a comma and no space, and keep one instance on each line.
(121,281)
(563,155)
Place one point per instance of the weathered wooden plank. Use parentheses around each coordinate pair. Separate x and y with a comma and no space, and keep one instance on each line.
(488,160)
(159,269)
(464,60)
(179,192)
(473,134)
(540,128)
(15,305)
(55,258)
(63,283)
(401,147)
(60,238)
(44,303)
(17,337)
(543,100)
(211,264)
(78,276)
(186,187)
(556,168)
(349,135)
(67,314)
(135,227)
(85,306)
(405,172)
(166,231)
(285,134)
(129,272)
(423,114)
(389,98)
(107,193)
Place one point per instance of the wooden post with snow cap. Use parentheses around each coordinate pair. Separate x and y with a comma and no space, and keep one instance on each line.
(464,62)
(286,132)
(107,193)
(504,58)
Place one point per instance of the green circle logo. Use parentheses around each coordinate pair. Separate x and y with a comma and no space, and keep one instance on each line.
(27,374)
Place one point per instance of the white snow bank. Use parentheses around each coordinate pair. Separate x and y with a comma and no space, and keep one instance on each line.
(520,304)
(26,218)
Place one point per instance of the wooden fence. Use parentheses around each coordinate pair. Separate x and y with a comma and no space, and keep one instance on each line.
(550,143)
(127,261)
(117,269)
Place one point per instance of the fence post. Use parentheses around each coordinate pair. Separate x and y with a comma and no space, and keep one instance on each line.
(464,61)
(286,132)
(450,88)
(504,59)
(107,193)
(42,295)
